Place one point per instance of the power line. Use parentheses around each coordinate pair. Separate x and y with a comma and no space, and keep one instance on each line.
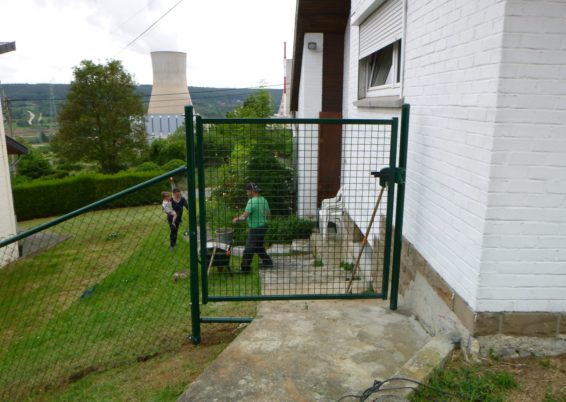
(151,26)
(237,91)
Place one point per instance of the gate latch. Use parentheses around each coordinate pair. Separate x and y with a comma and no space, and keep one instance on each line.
(388,173)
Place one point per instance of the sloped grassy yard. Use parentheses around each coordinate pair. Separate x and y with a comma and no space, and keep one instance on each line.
(100,314)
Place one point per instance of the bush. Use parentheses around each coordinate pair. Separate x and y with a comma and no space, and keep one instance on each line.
(282,229)
(70,166)
(163,150)
(34,165)
(44,198)
(286,229)
(172,164)
(147,167)
(20,180)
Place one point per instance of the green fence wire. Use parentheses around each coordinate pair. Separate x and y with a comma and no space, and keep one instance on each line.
(98,289)
(321,197)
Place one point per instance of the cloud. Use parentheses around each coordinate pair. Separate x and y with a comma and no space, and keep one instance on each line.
(228,43)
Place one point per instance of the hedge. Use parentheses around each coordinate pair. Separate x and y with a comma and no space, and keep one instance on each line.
(44,198)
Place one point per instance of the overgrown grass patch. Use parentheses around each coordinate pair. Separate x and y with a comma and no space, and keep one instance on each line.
(466,383)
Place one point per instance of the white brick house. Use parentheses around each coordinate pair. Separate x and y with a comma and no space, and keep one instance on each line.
(485,209)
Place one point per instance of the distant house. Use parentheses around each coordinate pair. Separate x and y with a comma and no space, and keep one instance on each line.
(485,210)
(7,146)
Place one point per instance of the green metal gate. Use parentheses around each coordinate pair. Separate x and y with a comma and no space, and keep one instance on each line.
(330,185)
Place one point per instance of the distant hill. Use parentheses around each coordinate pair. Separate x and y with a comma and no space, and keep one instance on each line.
(31,108)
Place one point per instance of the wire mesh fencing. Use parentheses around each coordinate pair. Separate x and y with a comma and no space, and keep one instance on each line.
(98,291)
(314,178)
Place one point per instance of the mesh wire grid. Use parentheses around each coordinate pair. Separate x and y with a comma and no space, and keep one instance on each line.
(316,245)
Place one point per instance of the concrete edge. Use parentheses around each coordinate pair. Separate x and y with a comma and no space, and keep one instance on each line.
(421,366)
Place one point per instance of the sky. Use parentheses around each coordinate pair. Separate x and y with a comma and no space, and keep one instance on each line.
(229,43)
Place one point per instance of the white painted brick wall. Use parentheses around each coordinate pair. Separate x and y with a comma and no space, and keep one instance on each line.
(524,251)
(451,68)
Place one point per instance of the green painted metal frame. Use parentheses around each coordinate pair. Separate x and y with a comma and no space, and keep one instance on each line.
(390,205)
(400,206)
(396,178)
(195,336)
(202,205)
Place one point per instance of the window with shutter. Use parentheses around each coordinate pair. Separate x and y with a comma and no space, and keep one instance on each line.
(380,51)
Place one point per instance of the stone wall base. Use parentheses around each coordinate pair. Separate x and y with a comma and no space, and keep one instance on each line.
(440,308)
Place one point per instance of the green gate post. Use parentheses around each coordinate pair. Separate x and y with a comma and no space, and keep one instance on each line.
(397,242)
(202,208)
(193,249)
(390,203)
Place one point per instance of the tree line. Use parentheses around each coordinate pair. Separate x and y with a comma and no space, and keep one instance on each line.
(101,122)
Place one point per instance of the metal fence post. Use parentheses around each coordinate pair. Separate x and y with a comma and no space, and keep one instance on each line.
(390,204)
(202,207)
(403,145)
(193,249)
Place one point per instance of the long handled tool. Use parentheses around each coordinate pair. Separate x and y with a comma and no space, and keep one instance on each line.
(211,259)
(364,241)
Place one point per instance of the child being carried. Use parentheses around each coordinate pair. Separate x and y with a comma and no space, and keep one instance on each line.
(168,208)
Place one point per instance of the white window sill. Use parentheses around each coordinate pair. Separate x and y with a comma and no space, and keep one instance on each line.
(386,102)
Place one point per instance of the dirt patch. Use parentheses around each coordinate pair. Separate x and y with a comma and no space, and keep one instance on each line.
(538,379)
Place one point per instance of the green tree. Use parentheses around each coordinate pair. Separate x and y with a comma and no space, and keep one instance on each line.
(103,118)
(257,105)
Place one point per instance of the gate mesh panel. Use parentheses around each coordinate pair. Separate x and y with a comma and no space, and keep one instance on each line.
(321,199)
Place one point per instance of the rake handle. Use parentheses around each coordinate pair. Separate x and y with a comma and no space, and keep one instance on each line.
(364,241)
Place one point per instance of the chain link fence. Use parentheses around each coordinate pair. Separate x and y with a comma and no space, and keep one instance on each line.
(98,291)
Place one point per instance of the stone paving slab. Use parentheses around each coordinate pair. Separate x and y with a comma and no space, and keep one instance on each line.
(311,351)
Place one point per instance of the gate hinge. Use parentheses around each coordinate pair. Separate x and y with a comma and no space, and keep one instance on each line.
(385,174)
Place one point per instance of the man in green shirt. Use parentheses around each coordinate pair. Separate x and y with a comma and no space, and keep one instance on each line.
(256,214)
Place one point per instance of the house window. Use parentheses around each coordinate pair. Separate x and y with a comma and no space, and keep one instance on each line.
(379,56)
(384,67)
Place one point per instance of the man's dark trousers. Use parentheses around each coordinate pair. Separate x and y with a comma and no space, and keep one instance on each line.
(254,245)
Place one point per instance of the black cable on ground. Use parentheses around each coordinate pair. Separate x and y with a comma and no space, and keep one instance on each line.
(376,387)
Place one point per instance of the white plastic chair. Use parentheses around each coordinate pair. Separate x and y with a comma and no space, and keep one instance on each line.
(331,210)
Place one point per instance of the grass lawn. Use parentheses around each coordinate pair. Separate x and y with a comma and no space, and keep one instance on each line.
(100,313)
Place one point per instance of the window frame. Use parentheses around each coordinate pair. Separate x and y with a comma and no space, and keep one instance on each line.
(364,71)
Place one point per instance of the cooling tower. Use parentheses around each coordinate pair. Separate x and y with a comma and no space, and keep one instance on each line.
(169,94)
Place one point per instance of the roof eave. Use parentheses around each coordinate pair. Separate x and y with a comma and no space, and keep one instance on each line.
(322,16)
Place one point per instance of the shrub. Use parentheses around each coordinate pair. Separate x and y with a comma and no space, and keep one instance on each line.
(284,229)
(173,164)
(70,166)
(147,167)
(44,198)
(163,150)
(34,165)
